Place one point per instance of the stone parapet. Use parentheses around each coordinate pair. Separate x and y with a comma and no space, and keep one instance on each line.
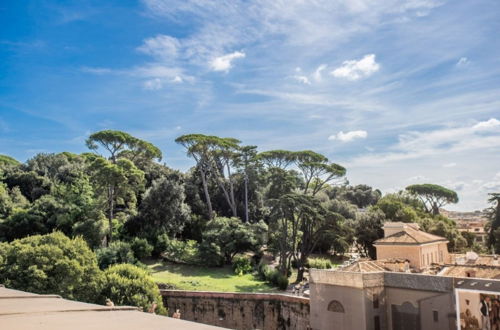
(348,279)
(240,310)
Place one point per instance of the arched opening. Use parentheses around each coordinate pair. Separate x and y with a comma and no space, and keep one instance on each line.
(335,306)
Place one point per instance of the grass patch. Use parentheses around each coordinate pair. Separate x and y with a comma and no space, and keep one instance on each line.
(197,278)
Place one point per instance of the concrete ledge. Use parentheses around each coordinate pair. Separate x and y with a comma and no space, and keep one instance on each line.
(235,295)
(33,296)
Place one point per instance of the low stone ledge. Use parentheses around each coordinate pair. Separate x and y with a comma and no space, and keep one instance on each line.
(235,295)
(237,310)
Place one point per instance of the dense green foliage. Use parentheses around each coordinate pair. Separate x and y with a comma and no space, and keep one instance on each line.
(272,276)
(115,253)
(234,201)
(242,265)
(130,285)
(433,196)
(319,263)
(494,223)
(51,264)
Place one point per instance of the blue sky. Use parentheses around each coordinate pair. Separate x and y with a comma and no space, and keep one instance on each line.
(399,92)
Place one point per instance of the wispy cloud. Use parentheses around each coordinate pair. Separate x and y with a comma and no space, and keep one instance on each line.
(225,62)
(462,62)
(162,47)
(448,165)
(355,69)
(446,140)
(95,70)
(349,136)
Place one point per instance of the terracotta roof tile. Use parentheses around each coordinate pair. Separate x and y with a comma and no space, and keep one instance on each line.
(410,236)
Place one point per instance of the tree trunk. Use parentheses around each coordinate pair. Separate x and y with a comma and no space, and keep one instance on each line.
(300,273)
(231,192)
(435,209)
(246,197)
(111,205)
(207,195)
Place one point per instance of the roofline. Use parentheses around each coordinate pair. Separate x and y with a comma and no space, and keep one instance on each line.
(405,243)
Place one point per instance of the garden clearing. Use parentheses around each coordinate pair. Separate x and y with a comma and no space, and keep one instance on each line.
(198,278)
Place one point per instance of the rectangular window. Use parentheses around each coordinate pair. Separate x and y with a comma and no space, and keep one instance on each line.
(376,322)
(435,316)
(375,300)
(441,256)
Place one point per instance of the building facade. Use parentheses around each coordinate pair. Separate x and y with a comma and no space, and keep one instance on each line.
(406,240)
(395,301)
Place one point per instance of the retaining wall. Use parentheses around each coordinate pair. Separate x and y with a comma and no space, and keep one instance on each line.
(240,310)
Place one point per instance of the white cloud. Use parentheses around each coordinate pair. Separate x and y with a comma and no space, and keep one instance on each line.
(153,84)
(348,136)
(162,47)
(317,74)
(224,63)
(95,70)
(302,79)
(462,62)
(448,165)
(417,178)
(447,140)
(491,123)
(492,185)
(355,69)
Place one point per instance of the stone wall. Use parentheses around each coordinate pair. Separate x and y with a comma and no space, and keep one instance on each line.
(240,310)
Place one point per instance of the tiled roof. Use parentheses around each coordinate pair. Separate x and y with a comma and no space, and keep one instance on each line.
(409,236)
(492,272)
(487,260)
(363,267)
(368,266)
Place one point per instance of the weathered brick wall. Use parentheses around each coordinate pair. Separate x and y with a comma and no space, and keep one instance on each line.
(240,310)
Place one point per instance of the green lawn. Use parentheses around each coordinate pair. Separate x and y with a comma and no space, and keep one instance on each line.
(186,277)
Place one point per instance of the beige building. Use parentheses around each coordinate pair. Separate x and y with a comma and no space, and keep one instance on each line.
(380,300)
(474,227)
(406,240)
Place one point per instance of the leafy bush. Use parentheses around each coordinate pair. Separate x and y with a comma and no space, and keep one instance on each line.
(186,252)
(242,265)
(52,264)
(130,285)
(210,255)
(319,263)
(141,248)
(281,282)
(262,271)
(272,276)
(160,245)
(232,236)
(116,253)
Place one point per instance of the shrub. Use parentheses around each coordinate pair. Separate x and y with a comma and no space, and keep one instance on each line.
(130,285)
(282,282)
(186,252)
(160,245)
(116,253)
(272,276)
(263,271)
(232,236)
(52,264)
(141,248)
(210,254)
(319,263)
(242,265)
